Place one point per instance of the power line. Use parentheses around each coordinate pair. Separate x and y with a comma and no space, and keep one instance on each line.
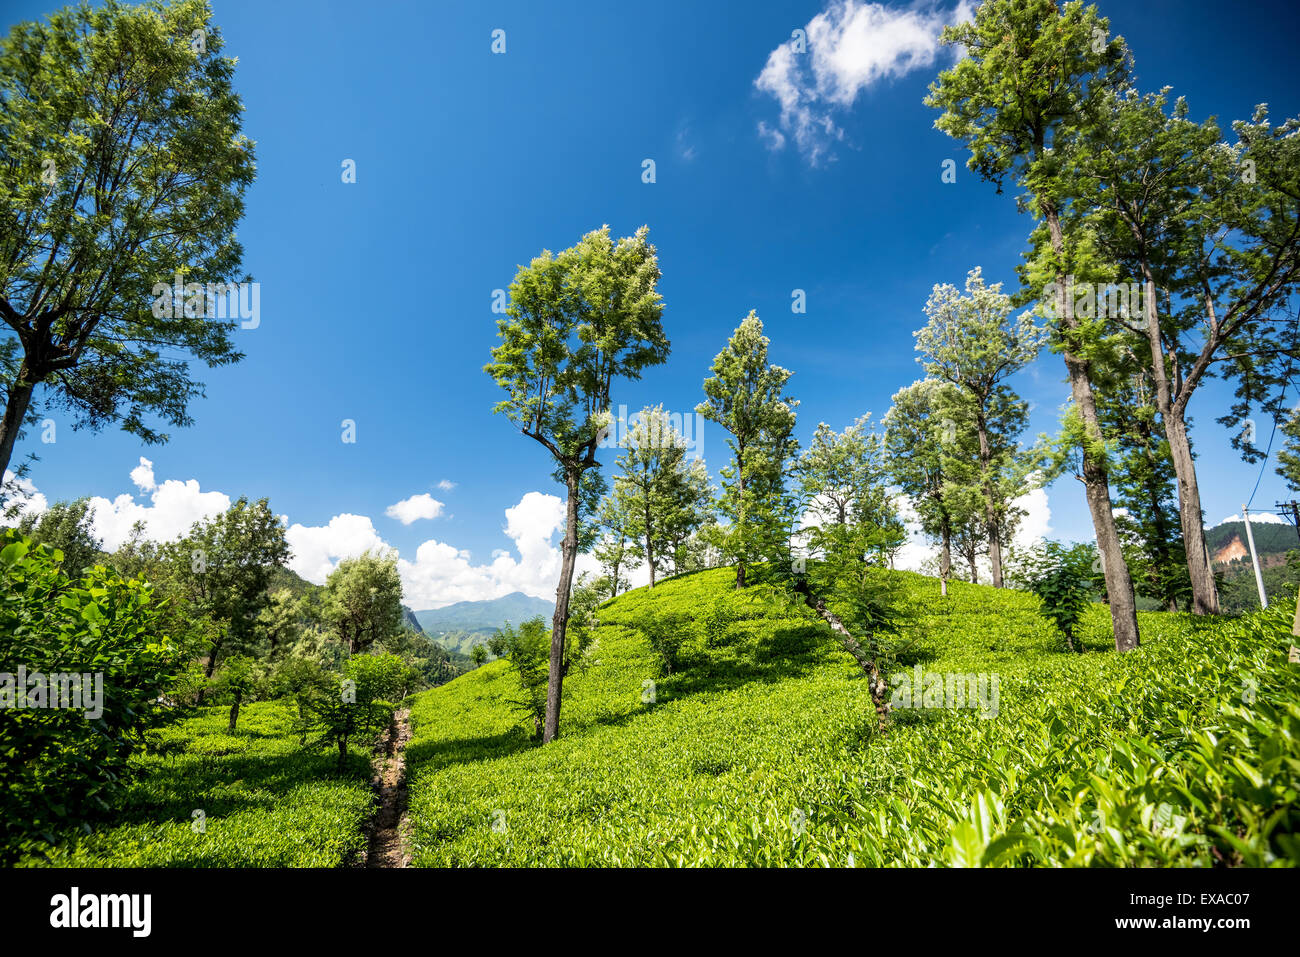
(1290,356)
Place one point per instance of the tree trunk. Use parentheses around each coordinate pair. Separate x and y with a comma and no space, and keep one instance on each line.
(649,540)
(17,402)
(1096,479)
(1205,594)
(945,557)
(740,504)
(569,557)
(990,507)
(234,716)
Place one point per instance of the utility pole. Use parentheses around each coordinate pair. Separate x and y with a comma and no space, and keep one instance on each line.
(1254,559)
(1291,510)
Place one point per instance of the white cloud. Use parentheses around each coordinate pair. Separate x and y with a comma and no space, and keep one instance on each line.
(142,476)
(22,493)
(442,574)
(439,574)
(1261,518)
(446,485)
(317,549)
(414,508)
(174,506)
(850,46)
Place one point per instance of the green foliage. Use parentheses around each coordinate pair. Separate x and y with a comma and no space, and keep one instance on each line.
(61,763)
(365,600)
(1063,579)
(528,649)
(149,174)
(221,572)
(67,527)
(265,801)
(746,396)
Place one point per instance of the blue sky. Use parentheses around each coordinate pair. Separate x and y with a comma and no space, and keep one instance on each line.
(376,295)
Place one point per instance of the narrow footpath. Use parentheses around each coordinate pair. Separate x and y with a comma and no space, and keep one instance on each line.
(388,845)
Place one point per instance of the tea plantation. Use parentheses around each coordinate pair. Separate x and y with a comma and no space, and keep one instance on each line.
(761,747)
(264,800)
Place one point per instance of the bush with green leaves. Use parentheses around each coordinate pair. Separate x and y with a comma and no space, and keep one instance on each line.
(1063,578)
(61,763)
(528,649)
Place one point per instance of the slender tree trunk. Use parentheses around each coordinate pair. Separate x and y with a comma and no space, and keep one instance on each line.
(1205,594)
(1096,479)
(945,556)
(990,507)
(569,556)
(974,569)
(234,715)
(649,540)
(17,402)
(740,504)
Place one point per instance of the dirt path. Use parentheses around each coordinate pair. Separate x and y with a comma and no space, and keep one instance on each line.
(387,831)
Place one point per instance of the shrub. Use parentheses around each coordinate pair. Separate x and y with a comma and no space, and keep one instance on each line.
(61,765)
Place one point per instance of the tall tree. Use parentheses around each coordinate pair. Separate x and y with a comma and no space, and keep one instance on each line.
(616,552)
(651,485)
(1032,79)
(576,321)
(365,600)
(122,166)
(223,569)
(1212,235)
(928,452)
(843,486)
(971,341)
(746,396)
(1144,477)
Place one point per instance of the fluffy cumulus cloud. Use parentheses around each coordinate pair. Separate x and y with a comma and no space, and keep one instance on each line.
(416,507)
(317,549)
(438,574)
(846,49)
(173,507)
(441,573)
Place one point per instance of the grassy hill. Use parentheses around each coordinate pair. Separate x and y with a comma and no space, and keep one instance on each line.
(762,747)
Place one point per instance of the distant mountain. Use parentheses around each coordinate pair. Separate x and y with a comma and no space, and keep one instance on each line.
(483,616)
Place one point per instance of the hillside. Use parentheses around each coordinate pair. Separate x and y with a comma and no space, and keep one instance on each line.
(1227,542)
(762,747)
